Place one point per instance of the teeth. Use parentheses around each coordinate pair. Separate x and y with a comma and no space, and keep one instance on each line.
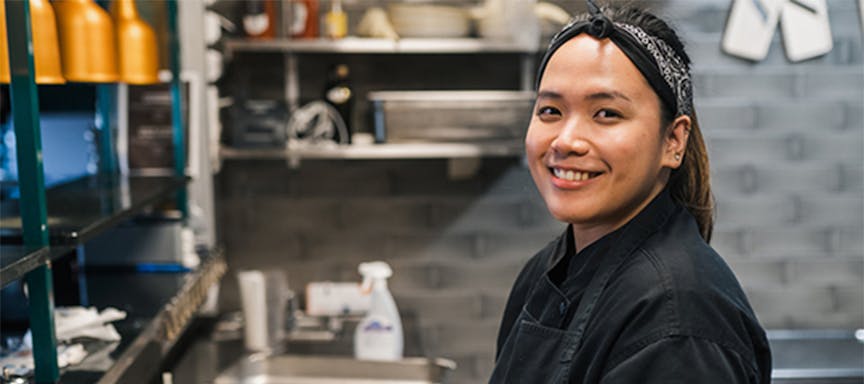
(571,175)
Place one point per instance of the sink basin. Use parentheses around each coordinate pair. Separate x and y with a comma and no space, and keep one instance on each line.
(816,356)
(289,369)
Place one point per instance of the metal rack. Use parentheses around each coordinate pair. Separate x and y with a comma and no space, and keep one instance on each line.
(376,46)
(292,48)
(80,209)
(40,239)
(378,151)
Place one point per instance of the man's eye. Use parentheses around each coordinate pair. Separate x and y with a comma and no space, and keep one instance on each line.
(607,114)
(548,111)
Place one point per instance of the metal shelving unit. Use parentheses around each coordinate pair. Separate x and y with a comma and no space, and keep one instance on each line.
(291,49)
(75,211)
(80,209)
(378,151)
(376,46)
(166,304)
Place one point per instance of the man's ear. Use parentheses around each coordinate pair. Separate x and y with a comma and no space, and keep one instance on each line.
(675,142)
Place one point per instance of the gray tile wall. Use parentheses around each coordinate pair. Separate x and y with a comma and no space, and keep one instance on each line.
(787,148)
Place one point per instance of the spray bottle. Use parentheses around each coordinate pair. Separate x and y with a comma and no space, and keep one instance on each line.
(379,334)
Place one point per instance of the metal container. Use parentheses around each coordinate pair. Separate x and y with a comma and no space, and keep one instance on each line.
(450,116)
(288,369)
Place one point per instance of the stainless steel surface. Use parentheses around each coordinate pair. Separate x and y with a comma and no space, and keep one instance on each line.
(451,116)
(381,151)
(366,45)
(823,355)
(146,353)
(287,369)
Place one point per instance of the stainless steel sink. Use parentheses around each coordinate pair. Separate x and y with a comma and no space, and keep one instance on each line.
(289,369)
(817,356)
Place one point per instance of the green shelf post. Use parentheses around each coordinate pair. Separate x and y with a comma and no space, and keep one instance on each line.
(105,109)
(106,96)
(177,106)
(31,180)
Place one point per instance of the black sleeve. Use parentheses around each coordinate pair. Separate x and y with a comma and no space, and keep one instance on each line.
(682,359)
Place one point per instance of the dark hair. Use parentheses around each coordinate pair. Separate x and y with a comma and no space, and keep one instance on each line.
(690,184)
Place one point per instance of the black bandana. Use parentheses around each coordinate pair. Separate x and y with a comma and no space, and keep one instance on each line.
(664,70)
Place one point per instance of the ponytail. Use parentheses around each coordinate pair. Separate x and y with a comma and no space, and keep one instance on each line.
(690,184)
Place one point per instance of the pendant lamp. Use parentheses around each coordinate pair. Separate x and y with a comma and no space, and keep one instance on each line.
(46,50)
(87,43)
(137,47)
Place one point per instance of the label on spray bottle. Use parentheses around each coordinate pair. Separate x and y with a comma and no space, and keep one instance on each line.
(375,338)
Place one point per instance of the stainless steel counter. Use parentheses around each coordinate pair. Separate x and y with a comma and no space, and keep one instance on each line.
(160,307)
(816,356)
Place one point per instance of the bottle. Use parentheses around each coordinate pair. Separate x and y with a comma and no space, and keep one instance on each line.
(336,21)
(304,19)
(259,19)
(338,93)
(379,334)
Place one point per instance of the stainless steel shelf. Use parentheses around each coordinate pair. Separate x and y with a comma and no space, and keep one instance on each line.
(160,308)
(373,46)
(378,151)
(80,209)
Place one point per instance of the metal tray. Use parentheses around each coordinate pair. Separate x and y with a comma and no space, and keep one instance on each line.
(450,116)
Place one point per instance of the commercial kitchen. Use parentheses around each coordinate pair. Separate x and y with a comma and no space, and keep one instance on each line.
(206,191)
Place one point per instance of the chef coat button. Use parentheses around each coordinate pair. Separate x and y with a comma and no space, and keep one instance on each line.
(562,308)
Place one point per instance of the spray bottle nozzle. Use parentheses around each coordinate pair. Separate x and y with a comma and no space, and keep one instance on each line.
(371,271)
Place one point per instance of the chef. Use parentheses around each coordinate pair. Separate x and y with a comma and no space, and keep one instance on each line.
(630,292)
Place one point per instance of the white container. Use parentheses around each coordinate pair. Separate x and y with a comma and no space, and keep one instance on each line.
(327,298)
(263,295)
(379,335)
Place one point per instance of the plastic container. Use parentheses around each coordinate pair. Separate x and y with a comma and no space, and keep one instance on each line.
(379,334)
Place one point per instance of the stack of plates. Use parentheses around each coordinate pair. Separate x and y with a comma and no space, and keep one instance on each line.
(425,20)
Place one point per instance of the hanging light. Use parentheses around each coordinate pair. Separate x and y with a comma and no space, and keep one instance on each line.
(88,46)
(137,48)
(46,52)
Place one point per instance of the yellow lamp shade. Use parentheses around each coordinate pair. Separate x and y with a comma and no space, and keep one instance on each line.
(46,50)
(87,43)
(137,47)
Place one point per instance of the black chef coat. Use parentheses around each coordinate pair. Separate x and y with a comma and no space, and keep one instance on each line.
(648,303)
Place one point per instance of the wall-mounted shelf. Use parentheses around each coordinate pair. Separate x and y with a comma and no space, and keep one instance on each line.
(379,151)
(377,46)
(80,209)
